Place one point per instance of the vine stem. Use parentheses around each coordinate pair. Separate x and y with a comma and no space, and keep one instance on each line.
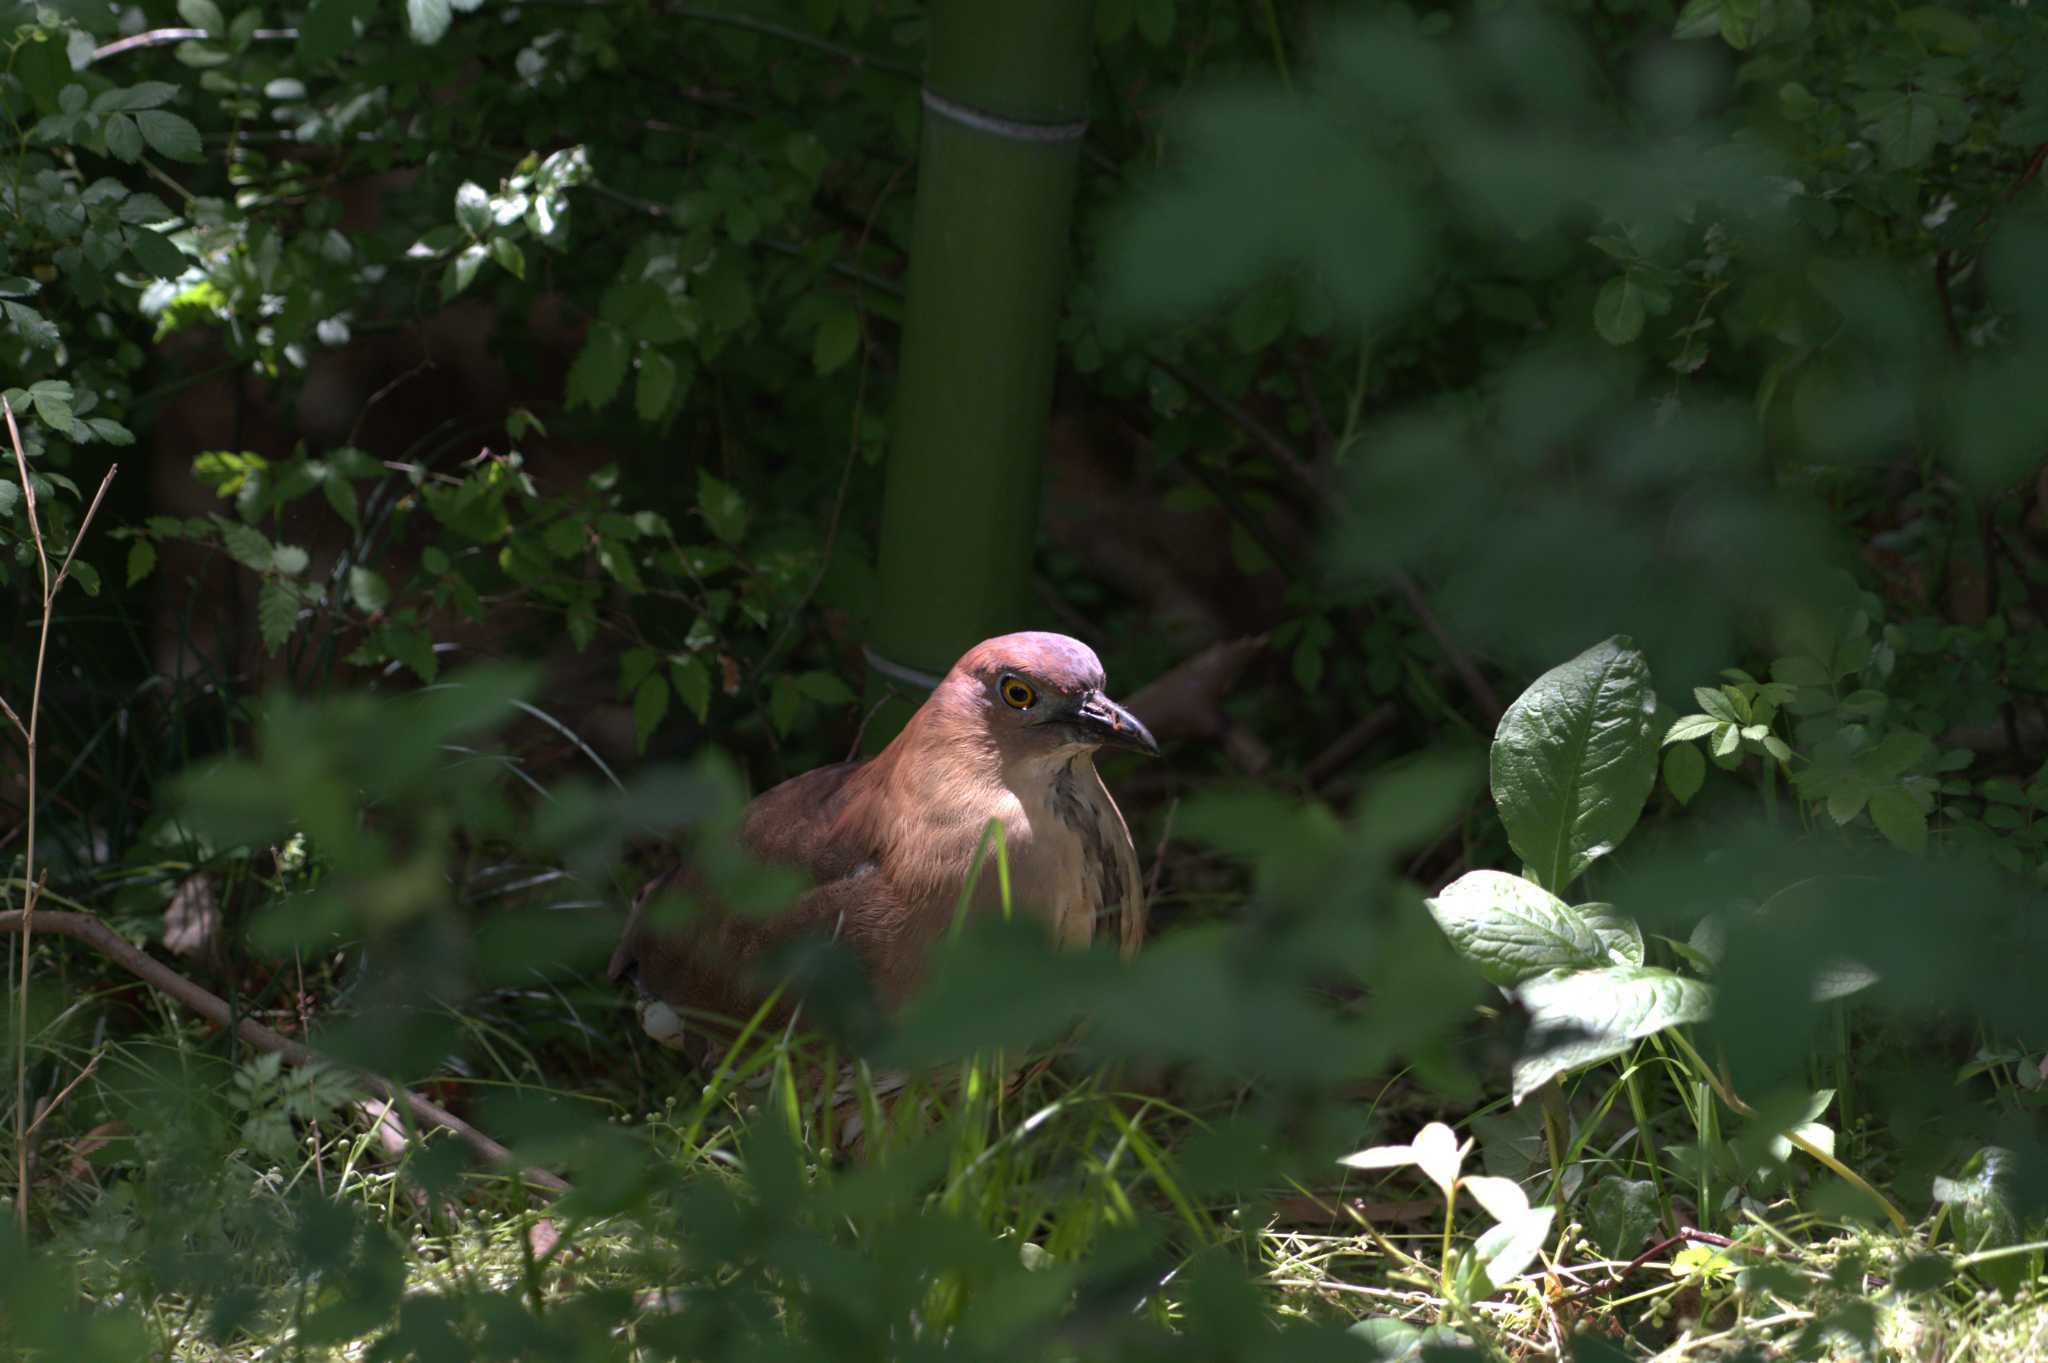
(1835,1166)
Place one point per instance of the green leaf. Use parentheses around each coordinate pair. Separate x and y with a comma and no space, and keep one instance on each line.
(1985,1202)
(1943,29)
(600,367)
(1618,311)
(836,340)
(1905,128)
(462,270)
(1510,1247)
(1514,930)
(203,14)
(329,28)
(1580,1019)
(141,560)
(277,613)
(170,135)
(428,20)
(368,589)
(341,495)
(155,252)
(289,559)
(472,208)
(1699,19)
(1574,759)
(1685,771)
(783,702)
(824,688)
(650,704)
(722,507)
(1716,703)
(1621,937)
(656,385)
(1899,817)
(246,544)
(510,258)
(1621,1214)
(87,576)
(124,139)
(692,681)
(1688,727)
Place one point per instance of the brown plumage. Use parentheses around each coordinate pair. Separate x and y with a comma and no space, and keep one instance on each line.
(1010,734)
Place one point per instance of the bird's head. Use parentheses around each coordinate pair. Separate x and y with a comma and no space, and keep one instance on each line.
(1041,695)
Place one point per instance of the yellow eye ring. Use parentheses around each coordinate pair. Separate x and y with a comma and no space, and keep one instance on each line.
(1017,693)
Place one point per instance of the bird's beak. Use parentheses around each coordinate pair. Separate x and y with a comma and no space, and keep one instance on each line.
(1113,726)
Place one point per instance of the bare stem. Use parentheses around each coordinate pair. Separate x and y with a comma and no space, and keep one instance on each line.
(31,883)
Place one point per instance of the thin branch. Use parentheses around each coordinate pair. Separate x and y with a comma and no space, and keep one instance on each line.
(83,526)
(103,939)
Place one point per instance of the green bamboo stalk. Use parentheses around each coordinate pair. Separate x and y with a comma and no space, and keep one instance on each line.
(1006,98)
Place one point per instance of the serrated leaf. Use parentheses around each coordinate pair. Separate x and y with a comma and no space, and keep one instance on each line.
(600,367)
(1582,1018)
(1574,759)
(246,544)
(141,560)
(1618,311)
(124,138)
(650,705)
(170,135)
(656,385)
(1513,930)
(1685,771)
(1899,817)
(277,613)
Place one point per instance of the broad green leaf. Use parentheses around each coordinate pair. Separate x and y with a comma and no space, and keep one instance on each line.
(1621,1214)
(783,702)
(824,688)
(124,138)
(170,135)
(1508,1249)
(277,612)
(155,252)
(650,704)
(1687,727)
(1514,930)
(1984,1200)
(1685,771)
(1618,311)
(472,208)
(600,367)
(692,681)
(1621,937)
(1899,817)
(428,20)
(368,589)
(722,507)
(1502,1198)
(87,576)
(289,559)
(203,14)
(838,336)
(656,385)
(1587,1016)
(510,258)
(141,560)
(1574,759)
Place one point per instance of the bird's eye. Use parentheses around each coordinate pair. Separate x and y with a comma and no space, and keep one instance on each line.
(1017,693)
